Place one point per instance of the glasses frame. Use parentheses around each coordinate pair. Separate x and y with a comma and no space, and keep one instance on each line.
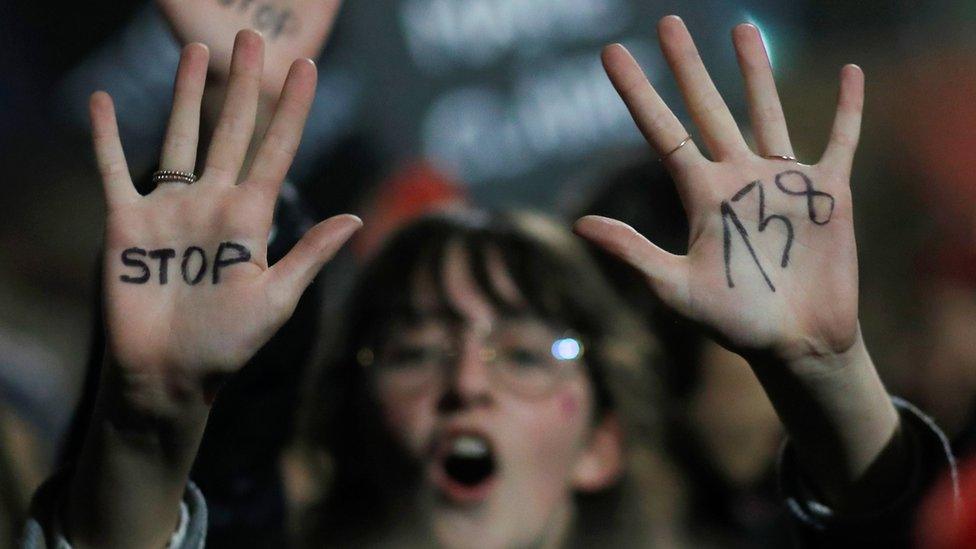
(437,379)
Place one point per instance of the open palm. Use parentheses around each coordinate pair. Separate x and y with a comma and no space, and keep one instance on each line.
(771,263)
(188,291)
(293,29)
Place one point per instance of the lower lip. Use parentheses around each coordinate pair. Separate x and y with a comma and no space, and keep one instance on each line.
(457,493)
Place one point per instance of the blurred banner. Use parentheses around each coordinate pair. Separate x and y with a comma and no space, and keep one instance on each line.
(509,96)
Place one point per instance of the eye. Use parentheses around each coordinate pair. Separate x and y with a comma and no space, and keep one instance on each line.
(412,356)
(524,357)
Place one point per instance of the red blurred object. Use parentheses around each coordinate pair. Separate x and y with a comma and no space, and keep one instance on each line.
(952,263)
(409,193)
(945,524)
(936,123)
(935,115)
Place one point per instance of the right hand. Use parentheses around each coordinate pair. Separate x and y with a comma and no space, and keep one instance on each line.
(293,28)
(805,308)
(168,339)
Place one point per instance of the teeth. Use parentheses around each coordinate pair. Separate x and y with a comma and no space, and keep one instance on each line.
(469,446)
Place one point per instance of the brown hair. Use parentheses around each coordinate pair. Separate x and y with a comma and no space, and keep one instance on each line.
(370,478)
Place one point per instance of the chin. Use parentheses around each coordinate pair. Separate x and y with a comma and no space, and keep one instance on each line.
(464,529)
(493,524)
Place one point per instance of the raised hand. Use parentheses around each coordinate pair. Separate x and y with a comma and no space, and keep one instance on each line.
(771,263)
(293,29)
(771,269)
(189,294)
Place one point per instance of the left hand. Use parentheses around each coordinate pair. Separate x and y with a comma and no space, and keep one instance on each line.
(171,329)
(292,29)
(771,267)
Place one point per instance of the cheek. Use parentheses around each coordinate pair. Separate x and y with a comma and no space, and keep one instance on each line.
(557,427)
(569,405)
(409,419)
(545,443)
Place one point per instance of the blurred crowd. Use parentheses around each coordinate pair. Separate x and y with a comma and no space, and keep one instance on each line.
(391,160)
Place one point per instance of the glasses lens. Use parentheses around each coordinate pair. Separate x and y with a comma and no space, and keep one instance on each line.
(531,359)
(528,372)
(528,358)
(410,366)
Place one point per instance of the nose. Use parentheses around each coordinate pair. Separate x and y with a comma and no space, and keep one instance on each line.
(467,380)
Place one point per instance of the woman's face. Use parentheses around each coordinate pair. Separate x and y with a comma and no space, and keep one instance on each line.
(501,421)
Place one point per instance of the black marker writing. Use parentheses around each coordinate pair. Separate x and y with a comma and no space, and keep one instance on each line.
(163,255)
(729,215)
(193,266)
(129,261)
(268,18)
(808,192)
(764,220)
(243,254)
(185,265)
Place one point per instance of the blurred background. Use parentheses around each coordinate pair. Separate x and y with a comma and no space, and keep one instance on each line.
(503,103)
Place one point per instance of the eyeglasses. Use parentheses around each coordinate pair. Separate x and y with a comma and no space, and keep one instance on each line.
(526,358)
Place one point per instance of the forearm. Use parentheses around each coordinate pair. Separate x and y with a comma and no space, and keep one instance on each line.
(842,424)
(132,473)
(174,336)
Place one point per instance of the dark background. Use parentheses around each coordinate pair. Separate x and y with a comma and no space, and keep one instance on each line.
(514,108)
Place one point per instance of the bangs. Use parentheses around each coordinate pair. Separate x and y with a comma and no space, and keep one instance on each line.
(553,272)
(417,255)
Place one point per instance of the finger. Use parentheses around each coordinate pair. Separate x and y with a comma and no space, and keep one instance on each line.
(765,109)
(116,181)
(660,127)
(847,121)
(180,146)
(235,125)
(707,108)
(281,141)
(662,269)
(293,273)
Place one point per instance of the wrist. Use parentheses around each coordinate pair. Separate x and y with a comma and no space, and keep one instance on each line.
(146,410)
(840,419)
(808,356)
(132,472)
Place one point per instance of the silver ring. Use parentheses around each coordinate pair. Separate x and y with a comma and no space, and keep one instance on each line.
(173,176)
(781,157)
(674,150)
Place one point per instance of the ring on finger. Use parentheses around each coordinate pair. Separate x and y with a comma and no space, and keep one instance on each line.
(173,176)
(781,157)
(674,150)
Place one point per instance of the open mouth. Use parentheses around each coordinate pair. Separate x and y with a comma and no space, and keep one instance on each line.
(465,468)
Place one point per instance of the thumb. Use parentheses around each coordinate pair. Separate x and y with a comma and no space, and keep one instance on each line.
(663,270)
(291,275)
